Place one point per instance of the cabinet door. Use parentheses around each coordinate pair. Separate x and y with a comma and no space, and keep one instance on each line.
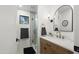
(41,47)
(47,47)
(56,49)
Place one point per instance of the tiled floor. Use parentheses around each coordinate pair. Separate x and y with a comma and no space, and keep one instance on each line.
(21,44)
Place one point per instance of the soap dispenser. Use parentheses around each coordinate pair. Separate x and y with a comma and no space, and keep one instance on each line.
(43,30)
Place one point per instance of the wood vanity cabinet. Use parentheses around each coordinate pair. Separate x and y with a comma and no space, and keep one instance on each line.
(47,47)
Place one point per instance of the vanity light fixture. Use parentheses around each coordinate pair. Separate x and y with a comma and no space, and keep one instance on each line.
(51,20)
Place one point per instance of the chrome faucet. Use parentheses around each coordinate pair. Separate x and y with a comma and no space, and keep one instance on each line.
(59,35)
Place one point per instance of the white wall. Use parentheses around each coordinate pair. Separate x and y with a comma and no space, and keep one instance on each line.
(76,25)
(44,11)
(7,29)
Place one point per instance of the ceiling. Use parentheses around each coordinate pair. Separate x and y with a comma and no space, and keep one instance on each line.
(31,8)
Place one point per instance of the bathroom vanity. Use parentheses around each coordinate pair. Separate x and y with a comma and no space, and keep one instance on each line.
(51,45)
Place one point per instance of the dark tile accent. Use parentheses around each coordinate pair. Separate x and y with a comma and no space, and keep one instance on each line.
(24,33)
(29,50)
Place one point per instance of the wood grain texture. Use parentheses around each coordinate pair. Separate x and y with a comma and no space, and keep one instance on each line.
(47,47)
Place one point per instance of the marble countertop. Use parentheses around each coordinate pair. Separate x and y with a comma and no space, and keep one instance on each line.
(65,43)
